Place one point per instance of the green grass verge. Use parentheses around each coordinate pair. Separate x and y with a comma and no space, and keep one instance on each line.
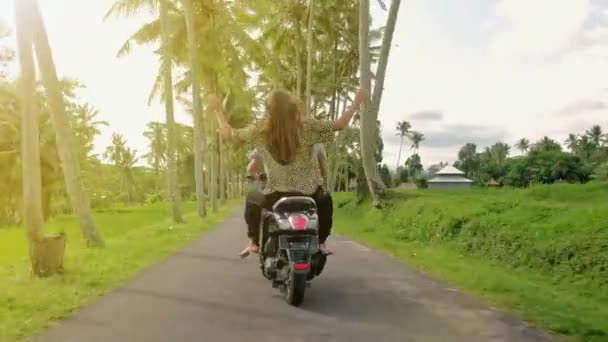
(540,253)
(136,238)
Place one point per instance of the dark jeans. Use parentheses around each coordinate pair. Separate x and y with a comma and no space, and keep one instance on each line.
(253,214)
(253,211)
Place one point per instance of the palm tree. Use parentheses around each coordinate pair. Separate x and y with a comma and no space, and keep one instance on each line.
(157,155)
(115,151)
(309,53)
(86,128)
(585,146)
(595,135)
(64,134)
(368,122)
(128,160)
(168,87)
(403,128)
(30,148)
(416,138)
(371,108)
(523,145)
(199,141)
(572,142)
(123,158)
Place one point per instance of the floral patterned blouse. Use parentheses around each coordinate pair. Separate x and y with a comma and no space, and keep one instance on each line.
(303,174)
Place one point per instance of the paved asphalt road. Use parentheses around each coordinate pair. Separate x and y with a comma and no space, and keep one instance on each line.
(206,293)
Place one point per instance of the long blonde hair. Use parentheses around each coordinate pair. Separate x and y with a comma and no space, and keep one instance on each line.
(282,126)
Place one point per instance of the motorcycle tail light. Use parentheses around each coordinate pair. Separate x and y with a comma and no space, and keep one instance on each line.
(298,221)
(300,266)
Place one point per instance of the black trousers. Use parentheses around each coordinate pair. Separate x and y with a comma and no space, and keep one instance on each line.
(253,211)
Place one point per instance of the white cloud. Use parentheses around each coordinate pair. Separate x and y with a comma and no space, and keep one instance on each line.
(537,28)
(548,58)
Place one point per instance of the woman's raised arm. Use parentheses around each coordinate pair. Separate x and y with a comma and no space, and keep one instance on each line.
(344,120)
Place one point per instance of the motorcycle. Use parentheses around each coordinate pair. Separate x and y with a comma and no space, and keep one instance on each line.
(290,257)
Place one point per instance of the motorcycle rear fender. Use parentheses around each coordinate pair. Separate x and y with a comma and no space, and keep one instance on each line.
(299,251)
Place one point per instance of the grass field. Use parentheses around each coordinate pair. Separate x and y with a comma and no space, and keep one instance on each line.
(541,253)
(136,237)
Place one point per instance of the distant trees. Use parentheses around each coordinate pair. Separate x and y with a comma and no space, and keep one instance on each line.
(543,161)
(546,167)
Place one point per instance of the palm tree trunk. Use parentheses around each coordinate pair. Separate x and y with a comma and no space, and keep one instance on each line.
(213,177)
(309,55)
(299,66)
(368,121)
(199,141)
(221,169)
(168,84)
(30,147)
(399,155)
(334,96)
(385,50)
(64,135)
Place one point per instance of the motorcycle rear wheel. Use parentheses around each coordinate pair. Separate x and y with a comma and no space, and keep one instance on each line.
(296,286)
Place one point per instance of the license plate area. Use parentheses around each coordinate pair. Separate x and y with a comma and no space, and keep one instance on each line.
(304,242)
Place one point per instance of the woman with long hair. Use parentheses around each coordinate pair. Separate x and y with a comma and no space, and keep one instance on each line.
(285,141)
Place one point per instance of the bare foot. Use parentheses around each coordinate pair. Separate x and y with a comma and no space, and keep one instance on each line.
(323,248)
(251,248)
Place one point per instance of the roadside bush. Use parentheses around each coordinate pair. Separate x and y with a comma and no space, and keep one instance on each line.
(560,230)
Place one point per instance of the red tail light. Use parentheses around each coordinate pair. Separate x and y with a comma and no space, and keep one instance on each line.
(300,266)
(298,221)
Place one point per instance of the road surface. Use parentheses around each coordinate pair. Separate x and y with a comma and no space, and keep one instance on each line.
(206,293)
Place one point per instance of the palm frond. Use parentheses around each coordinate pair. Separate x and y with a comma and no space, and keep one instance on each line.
(127,8)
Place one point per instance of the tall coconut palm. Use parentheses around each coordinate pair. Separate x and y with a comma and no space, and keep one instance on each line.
(169,115)
(163,31)
(114,152)
(30,148)
(64,134)
(403,128)
(368,121)
(123,158)
(416,138)
(523,145)
(309,53)
(199,141)
(371,108)
(86,128)
(128,160)
(157,154)
(385,49)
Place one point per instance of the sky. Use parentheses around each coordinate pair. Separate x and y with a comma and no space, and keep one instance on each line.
(478,71)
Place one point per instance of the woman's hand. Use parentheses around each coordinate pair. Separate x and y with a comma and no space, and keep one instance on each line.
(343,121)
